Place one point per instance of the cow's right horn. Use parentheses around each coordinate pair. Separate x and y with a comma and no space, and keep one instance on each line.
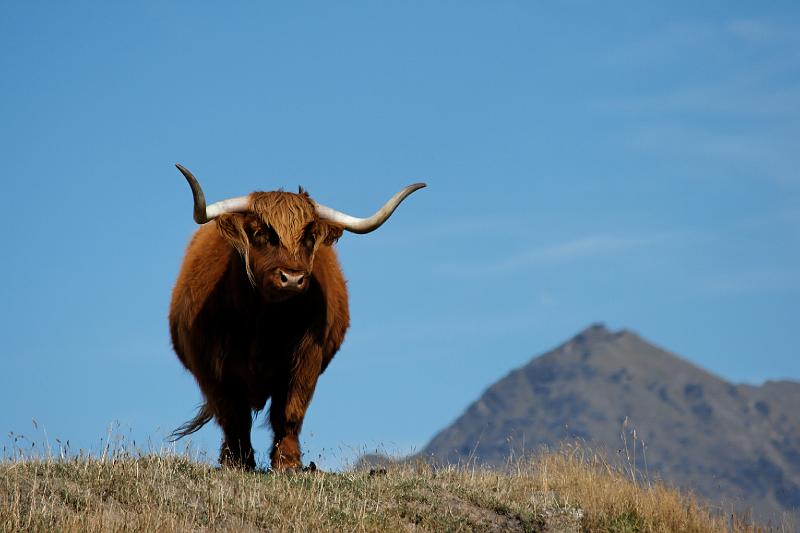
(203,213)
(365,225)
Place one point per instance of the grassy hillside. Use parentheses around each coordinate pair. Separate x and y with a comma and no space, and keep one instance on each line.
(567,491)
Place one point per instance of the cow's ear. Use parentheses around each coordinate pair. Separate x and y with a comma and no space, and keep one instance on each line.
(232,229)
(329,232)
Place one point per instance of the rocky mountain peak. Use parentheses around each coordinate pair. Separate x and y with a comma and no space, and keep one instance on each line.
(719,439)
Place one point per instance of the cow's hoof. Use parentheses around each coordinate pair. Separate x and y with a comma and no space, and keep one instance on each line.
(312,468)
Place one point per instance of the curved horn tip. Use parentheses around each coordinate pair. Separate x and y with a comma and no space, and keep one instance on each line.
(185,171)
(200,213)
(410,189)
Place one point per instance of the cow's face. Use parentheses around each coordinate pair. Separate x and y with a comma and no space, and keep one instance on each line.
(278,241)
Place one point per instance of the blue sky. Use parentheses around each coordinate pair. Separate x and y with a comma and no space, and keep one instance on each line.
(630,163)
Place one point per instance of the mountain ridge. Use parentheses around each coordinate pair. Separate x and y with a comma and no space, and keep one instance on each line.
(735,444)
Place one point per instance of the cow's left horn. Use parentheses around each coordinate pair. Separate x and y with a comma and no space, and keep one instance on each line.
(365,225)
(203,213)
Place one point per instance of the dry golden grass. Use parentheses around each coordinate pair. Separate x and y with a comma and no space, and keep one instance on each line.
(567,491)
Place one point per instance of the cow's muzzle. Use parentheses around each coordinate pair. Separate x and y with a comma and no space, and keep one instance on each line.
(292,280)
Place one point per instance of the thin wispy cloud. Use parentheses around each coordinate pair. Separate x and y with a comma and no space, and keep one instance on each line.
(576,249)
(734,98)
(675,41)
(691,139)
(743,118)
(766,220)
(755,153)
(580,248)
(760,280)
(762,30)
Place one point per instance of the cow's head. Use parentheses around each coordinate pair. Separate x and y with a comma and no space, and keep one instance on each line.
(278,233)
(277,240)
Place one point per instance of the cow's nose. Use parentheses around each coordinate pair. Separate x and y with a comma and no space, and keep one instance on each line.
(292,280)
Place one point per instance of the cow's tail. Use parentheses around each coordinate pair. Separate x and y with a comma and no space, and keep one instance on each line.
(202,418)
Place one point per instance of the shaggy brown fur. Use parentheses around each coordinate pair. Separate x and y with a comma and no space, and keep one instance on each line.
(244,336)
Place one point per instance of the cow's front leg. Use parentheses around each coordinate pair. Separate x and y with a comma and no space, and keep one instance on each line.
(235,417)
(288,410)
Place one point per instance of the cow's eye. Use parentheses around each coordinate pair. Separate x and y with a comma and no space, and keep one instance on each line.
(311,239)
(266,235)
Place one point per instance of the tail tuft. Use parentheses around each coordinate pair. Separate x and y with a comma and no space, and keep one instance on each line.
(202,418)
